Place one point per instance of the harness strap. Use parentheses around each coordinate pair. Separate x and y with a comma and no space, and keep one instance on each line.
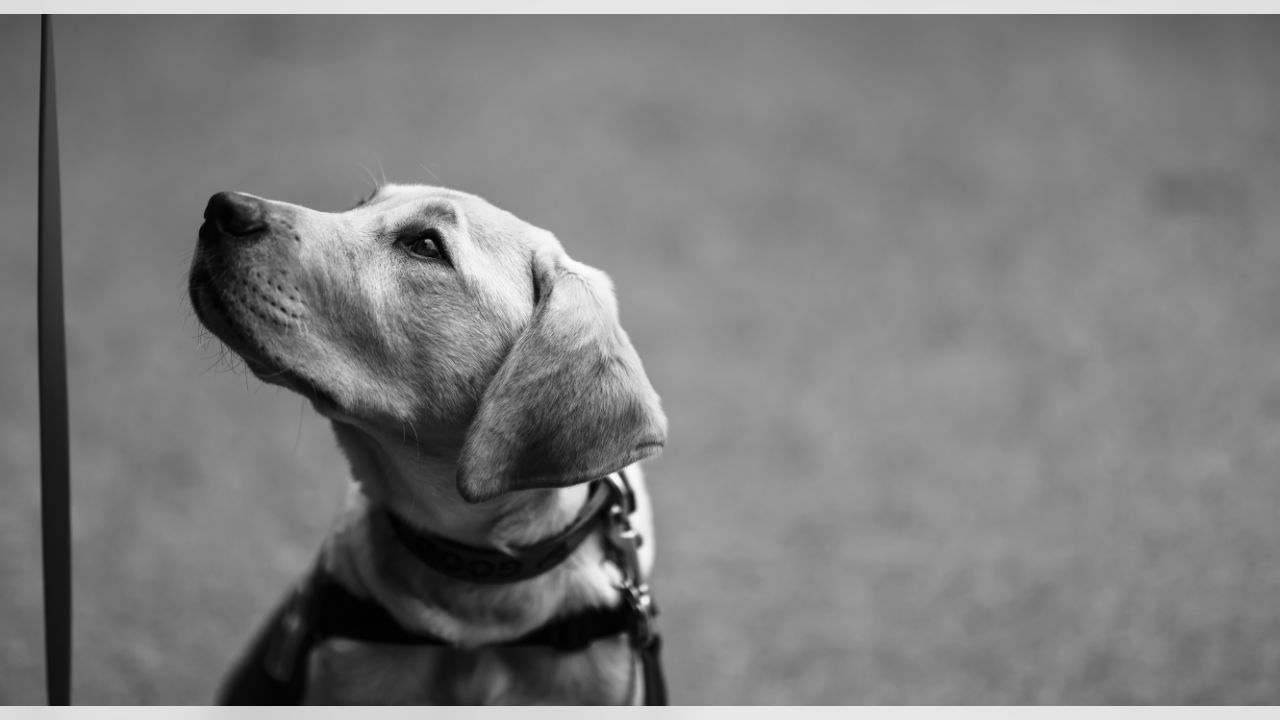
(274,670)
(340,614)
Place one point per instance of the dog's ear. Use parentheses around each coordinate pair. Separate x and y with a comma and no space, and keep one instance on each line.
(571,402)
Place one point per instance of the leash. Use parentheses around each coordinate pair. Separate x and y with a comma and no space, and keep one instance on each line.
(55,463)
(274,670)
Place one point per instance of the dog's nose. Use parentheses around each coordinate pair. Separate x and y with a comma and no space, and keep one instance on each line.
(236,213)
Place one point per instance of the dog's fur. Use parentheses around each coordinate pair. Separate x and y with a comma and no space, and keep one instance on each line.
(472,395)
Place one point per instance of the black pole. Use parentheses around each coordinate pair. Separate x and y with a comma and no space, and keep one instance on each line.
(55,465)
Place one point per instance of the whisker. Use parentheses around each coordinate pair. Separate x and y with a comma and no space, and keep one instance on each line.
(431,173)
(372,179)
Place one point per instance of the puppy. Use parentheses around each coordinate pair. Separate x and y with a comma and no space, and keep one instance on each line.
(477,380)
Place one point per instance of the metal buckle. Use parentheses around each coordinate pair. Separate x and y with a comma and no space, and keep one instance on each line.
(623,490)
(626,540)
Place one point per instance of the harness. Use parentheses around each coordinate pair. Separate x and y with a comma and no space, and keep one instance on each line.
(274,671)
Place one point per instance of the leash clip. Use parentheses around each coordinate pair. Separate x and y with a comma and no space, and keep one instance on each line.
(623,536)
(644,632)
(626,540)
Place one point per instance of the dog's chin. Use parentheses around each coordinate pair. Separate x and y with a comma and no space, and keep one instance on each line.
(214,316)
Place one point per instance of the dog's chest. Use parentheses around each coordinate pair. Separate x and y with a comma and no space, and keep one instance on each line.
(343,672)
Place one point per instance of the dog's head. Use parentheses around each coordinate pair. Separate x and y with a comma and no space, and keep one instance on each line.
(434,309)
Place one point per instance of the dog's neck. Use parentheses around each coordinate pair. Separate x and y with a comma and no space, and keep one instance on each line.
(414,477)
(416,480)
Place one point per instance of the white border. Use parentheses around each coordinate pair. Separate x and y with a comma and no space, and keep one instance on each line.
(485,7)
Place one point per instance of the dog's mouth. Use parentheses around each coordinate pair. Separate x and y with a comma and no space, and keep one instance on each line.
(213,314)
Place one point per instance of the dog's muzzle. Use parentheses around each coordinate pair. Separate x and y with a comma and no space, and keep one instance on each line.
(242,290)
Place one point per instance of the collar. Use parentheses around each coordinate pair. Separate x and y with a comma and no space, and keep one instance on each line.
(489,566)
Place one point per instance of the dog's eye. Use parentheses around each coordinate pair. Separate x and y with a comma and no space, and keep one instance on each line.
(425,244)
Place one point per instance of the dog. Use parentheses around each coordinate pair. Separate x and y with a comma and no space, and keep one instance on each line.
(477,381)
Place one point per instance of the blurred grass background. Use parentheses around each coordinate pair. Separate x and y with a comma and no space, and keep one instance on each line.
(967,330)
